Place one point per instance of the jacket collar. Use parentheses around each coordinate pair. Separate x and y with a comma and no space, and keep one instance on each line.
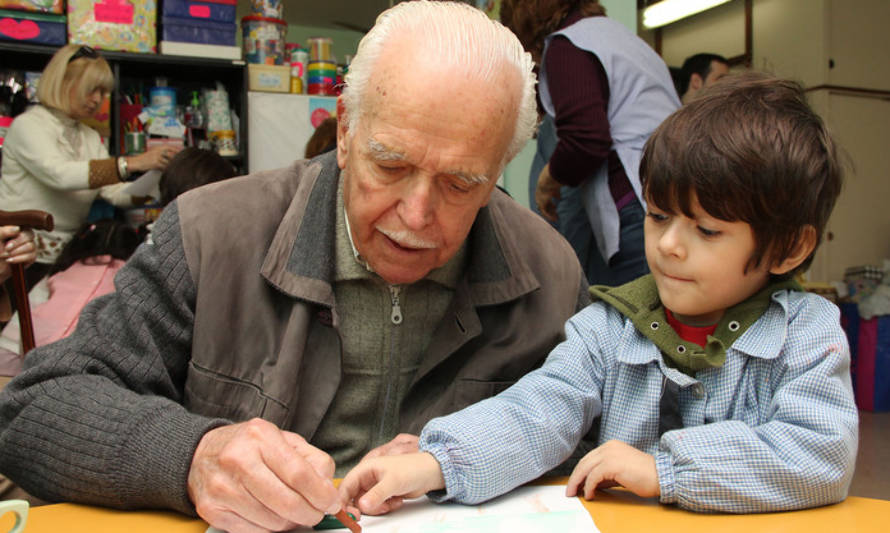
(639,302)
(300,259)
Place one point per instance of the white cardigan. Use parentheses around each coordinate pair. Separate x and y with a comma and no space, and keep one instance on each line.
(46,166)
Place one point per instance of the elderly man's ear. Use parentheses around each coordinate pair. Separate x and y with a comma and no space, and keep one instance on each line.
(342,120)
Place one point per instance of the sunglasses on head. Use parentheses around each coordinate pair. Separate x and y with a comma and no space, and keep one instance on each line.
(84,51)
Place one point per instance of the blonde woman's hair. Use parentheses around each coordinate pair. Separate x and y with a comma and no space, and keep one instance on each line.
(61,73)
(454,34)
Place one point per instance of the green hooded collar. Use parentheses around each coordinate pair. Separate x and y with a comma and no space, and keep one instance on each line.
(639,301)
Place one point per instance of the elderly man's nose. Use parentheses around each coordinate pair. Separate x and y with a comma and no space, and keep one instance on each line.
(417,205)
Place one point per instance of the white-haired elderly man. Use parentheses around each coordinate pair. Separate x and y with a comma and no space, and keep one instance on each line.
(283,325)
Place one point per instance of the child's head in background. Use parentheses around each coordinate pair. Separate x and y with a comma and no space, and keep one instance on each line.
(740,184)
(324,138)
(99,241)
(191,168)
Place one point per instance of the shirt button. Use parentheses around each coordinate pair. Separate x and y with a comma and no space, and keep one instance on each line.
(698,391)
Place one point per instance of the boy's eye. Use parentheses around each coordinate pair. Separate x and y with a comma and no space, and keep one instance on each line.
(708,232)
(657,217)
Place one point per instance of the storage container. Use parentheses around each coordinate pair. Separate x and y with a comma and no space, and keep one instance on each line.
(29,27)
(270,78)
(127,25)
(197,31)
(267,8)
(55,7)
(204,10)
(263,39)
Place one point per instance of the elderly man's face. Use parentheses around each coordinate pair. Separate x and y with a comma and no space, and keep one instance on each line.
(423,160)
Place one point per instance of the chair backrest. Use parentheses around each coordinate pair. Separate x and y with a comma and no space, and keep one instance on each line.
(29,219)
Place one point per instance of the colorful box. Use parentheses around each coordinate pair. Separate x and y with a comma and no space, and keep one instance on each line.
(29,27)
(203,10)
(126,25)
(870,357)
(269,78)
(55,7)
(198,31)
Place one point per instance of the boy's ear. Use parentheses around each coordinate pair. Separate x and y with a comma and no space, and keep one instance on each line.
(806,243)
(695,81)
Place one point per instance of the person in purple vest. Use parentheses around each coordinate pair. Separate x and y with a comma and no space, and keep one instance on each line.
(606,91)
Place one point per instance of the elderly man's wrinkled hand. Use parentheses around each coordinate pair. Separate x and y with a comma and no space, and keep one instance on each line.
(253,477)
(547,194)
(401,444)
(16,246)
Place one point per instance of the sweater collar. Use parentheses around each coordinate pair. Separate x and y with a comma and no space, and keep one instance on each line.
(739,328)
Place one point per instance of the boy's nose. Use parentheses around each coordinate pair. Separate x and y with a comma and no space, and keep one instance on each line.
(671,243)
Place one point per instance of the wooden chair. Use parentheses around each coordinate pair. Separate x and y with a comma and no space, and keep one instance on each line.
(29,219)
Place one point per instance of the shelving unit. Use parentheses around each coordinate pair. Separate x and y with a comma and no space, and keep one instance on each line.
(184,73)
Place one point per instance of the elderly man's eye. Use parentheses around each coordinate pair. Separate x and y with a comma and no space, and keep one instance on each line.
(389,169)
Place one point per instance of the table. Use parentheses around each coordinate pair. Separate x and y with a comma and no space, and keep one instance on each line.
(613,511)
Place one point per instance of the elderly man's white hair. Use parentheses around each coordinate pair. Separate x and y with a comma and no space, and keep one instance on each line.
(454,34)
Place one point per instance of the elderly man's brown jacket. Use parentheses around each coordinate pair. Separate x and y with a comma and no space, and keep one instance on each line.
(229,314)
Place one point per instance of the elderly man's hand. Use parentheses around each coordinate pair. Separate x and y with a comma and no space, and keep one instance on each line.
(547,194)
(253,476)
(16,246)
(403,443)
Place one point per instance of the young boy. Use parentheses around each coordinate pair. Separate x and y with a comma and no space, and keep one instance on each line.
(715,382)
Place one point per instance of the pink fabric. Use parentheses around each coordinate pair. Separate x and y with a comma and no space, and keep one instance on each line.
(865,364)
(70,290)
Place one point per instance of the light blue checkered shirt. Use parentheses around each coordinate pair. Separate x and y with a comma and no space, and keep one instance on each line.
(773,429)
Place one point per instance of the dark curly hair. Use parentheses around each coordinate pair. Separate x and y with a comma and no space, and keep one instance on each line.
(105,237)
(533,20)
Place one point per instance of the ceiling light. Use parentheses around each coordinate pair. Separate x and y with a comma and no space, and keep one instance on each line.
(668,11)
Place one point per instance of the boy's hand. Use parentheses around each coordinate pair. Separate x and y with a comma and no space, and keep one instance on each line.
(615,463)
(381,484)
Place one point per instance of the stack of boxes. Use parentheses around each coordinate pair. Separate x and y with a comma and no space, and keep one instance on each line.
(33,21)
(203,28)
(263,38)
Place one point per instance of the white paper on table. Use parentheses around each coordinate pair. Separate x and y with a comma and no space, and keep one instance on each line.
(526,509)
(145,185)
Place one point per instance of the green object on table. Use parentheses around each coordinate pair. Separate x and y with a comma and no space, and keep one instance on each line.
(330,522)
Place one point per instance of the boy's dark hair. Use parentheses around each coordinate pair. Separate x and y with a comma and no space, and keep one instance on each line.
(697,64)
(107,236)
(751,150)
(191,168)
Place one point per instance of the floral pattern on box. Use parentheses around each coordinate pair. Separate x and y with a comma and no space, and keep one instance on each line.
(126,25)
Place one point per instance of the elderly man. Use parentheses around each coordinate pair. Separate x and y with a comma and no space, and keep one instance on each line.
(285,322)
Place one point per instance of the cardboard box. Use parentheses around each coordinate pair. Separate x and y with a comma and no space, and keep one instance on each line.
(269,78)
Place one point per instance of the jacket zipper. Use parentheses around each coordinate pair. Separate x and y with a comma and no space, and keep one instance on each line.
(396,315)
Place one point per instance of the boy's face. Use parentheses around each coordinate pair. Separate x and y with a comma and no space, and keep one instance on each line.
(699,263)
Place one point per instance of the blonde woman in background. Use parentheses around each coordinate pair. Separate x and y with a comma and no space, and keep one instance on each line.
(53,162)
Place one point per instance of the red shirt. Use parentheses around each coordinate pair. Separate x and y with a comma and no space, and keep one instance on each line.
(694,334)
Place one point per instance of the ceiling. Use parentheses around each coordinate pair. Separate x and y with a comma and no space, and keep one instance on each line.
(358,15)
